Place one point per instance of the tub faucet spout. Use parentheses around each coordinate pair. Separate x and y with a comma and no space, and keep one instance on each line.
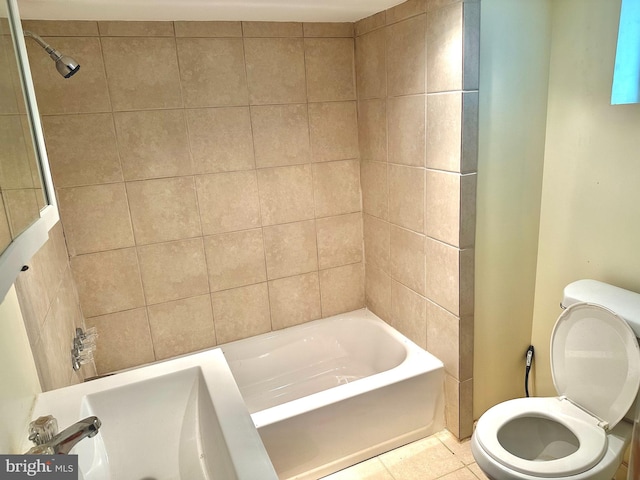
(63,442)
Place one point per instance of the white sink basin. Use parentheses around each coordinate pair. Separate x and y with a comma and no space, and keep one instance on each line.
(181,419)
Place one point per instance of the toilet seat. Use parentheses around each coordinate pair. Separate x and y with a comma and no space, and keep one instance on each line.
(595,363)
(591,437)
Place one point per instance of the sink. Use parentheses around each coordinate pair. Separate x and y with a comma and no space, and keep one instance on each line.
(180,419)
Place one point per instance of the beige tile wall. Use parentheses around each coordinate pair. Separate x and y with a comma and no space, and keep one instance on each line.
(417,84)
(208,178)
(51,311)
(214,193)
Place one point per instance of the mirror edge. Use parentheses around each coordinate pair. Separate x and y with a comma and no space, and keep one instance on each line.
(25,245)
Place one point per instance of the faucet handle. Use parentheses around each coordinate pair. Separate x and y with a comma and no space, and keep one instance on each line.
(43,429)
(45,449)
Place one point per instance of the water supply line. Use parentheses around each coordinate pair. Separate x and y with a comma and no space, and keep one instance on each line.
(529,358)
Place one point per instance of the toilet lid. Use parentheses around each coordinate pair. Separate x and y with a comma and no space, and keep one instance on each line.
(595,361)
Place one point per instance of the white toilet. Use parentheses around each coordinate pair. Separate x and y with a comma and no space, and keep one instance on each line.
(582,433)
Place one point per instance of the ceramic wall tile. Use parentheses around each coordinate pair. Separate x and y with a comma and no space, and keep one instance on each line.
(207,29)
(235,259)
(272,29)
(241,312)
(407,9)
(62,28)
(164,209)
(95,218)
(444,48)
(324,29)
(342,289)
(153,144)
(135,29)
(220,139)
(406,56)
(407,130)
(407,197)
(142,72)
(330,69)
(291,249)
(339,240)
(294,300)
(173,270)
(212,72)
(407,258)
(409,314)
(125,340)
(275,70)
(228,202)
(376,234)
(375,189)
(372,129)
(280,135)
(182,326)
(108,282)
(371,66)
(378,292)
(336,187)
(286,194)
(333,131)
(94,157)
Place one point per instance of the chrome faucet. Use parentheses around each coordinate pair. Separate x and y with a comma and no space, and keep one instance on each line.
(48,442)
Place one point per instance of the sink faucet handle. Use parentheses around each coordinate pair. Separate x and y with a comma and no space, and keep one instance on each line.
(43,429)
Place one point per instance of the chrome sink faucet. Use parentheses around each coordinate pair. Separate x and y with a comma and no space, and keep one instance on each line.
(43,432)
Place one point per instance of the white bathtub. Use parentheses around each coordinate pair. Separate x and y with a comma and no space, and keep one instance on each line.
(333,392)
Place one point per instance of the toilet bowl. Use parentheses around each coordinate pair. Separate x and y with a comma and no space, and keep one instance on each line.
(580,434)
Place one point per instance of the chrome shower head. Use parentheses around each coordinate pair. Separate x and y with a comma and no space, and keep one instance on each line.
(65,65)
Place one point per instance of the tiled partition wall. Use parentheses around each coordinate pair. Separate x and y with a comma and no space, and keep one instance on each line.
(417,80)
(51,312)
(208,178)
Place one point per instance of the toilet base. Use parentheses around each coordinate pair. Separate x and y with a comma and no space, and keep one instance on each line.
(618,440)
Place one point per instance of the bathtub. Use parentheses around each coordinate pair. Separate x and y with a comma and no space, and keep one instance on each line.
(333,392)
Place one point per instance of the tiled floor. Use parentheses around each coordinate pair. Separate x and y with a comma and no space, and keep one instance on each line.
(440,457)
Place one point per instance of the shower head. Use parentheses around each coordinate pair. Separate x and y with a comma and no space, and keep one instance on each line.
(65,65)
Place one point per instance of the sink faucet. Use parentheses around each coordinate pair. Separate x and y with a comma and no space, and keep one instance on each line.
(63,442)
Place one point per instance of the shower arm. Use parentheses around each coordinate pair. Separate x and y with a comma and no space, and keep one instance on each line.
(53,53)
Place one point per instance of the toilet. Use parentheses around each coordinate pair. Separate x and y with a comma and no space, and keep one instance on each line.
(584,431)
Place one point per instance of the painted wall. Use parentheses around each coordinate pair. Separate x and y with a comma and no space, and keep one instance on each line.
(590,215)
(18,377)
(514,52)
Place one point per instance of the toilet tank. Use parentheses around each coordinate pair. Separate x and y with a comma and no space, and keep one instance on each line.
(624,303)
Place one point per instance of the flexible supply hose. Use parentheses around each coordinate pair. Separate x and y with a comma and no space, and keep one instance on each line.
(529,358)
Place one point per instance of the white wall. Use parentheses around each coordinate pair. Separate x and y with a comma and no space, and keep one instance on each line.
(19,383)
(590,215)
(514,60)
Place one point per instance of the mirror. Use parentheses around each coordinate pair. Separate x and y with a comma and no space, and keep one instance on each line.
(27,202)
